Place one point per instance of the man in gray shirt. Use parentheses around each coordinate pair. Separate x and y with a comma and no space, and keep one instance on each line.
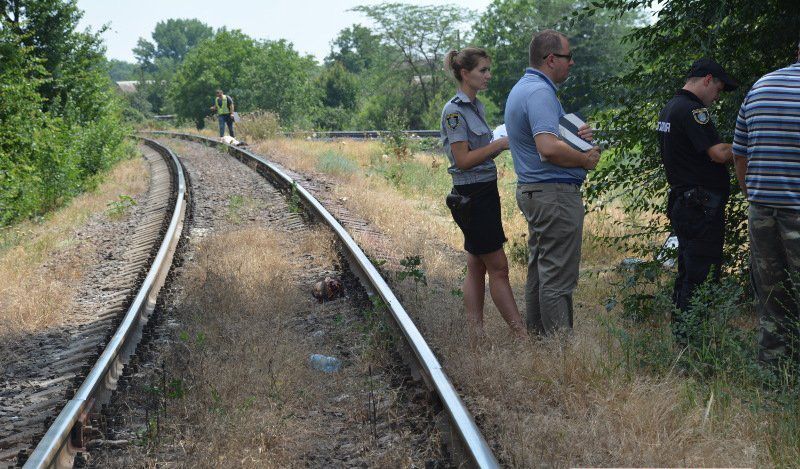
(549,176)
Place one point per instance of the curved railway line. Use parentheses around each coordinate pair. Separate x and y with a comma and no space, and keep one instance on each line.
(39,402)
(50,372)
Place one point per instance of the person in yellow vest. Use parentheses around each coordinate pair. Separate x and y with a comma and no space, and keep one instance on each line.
(223,106)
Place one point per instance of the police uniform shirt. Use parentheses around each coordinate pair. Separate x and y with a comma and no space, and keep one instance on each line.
(463,121)
(685,133)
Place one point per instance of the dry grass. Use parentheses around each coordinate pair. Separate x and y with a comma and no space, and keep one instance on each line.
(241,297)
(556,402)
(42,262)
(250,398)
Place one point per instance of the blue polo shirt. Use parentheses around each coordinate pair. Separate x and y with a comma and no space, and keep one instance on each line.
(533,108)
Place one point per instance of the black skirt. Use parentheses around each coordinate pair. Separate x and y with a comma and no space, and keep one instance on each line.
(483,233)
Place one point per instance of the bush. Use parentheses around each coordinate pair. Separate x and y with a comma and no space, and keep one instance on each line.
(395,142)
(722,343)
(53,145)
(259,125)
(334,163)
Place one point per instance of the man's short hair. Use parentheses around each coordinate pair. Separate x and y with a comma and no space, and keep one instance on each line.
(543,44)
(696,79)
(220,91)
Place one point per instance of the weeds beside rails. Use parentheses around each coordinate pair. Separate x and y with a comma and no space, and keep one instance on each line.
(258,125)
(720,357)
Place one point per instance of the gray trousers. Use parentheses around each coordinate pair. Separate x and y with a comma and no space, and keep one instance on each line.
(555,226)
(775,263)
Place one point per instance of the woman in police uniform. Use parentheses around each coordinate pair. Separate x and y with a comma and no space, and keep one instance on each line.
(467,141)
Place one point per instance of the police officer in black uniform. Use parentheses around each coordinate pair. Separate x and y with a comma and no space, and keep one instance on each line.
(695,162)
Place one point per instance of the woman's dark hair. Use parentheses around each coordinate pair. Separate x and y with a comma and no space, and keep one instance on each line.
(465,59)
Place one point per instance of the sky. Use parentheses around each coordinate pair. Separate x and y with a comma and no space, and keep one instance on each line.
(309,24)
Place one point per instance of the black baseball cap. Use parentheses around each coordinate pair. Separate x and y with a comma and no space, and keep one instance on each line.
(706,66)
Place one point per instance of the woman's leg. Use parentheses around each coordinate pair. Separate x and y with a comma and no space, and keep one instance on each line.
(474,288)
(496,265)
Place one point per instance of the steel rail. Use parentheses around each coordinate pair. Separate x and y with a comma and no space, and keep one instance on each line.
(478,451)
(64,438)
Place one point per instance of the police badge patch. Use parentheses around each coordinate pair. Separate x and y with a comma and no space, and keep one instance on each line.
(452,120)
(701,116)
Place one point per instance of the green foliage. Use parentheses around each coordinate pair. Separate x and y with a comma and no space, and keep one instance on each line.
(517,251)
(357,49)
(659,59)
(277,78)
(172,40)
(294,202)
(176,389)
(158,60)
(595,41)
(412,268)
(60,122)
(339,90)
(216,63)
(120,70)
(395,142)
(118,208)
(333,163)
(412,176)
(417,37)
(339,87)
(266,76)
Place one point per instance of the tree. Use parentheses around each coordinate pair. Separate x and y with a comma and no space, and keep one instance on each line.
(120,70)
(339,97)
(59,119)
(172,40)
(356,48)
(278,79)
(505,30)
(748,38)
(420,37)
(159,59)
(339,87)
(70,58)
(214,63)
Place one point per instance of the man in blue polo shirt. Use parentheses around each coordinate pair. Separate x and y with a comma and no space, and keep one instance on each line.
(549,176)
(766,146)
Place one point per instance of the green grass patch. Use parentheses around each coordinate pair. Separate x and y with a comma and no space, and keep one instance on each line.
(335,163)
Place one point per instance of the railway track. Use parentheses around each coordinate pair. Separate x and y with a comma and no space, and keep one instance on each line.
(63,438)
(51,367)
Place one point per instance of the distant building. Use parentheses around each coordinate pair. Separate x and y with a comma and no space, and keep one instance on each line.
(129,87)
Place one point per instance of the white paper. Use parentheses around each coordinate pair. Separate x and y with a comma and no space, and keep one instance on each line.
(499,132)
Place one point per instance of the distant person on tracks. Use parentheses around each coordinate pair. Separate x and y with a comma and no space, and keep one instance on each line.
(695,162)
(475,201)
(766,147)
(549,177)
(223,106)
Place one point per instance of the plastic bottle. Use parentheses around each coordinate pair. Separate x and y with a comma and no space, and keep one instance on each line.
(324,363)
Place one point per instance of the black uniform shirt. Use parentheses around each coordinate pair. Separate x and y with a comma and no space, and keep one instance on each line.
(685,133)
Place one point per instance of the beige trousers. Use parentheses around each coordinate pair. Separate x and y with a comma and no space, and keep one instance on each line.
(555,225)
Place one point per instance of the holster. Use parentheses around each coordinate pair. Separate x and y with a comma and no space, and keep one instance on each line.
(710,201)
(460,206)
